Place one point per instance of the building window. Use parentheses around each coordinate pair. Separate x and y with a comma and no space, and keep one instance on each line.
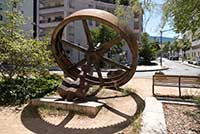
(14,4)
(111,10)
(49,19)
(90,6)
(1,7)
(97,24)
(136,15)
(58,18)
(1,17)
(136,25)
(70,13)
(71,3)
(90,22)
(100,7)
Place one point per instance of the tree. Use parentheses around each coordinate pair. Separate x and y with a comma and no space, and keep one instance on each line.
(148,49)
(184,15)
(180,44)
(166,49)
(185,45)
(104,34)
(19,55)
(177,46)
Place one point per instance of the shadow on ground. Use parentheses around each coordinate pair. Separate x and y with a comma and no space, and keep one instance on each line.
(32,120)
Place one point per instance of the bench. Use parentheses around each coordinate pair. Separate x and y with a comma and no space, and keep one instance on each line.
(175,81)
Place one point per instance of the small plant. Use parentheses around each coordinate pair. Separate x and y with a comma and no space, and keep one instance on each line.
(137,125)
(17,91)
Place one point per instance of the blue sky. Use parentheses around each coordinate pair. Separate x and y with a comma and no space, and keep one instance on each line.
(153,25)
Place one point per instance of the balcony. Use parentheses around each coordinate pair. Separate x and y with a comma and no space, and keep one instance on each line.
(45,24)
(51,10)
(49,20)
(43,4)
(52,6)
(124,2)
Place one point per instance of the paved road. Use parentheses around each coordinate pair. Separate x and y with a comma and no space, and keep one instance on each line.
(175,68)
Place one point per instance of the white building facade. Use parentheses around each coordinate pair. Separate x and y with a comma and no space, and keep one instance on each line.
(194,52)
(51,12)
(27,9)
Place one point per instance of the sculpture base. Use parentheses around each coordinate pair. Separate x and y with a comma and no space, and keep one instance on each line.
(89,108)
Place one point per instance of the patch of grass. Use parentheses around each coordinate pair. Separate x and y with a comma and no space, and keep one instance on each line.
(137,125)
(18,91)
(197,99)
(92,90)
(51,111)
(134,127)
(126,91)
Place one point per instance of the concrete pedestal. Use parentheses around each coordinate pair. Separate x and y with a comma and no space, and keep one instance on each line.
(90,108)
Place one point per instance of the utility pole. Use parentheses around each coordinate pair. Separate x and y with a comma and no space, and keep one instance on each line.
(161,44)
(161,47)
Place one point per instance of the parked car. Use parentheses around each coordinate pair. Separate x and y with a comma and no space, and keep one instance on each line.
(174,58)
(190,61)
(198,60)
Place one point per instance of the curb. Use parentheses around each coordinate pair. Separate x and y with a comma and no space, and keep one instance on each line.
(177,101)
(194,66)
(150,70)
(153,119)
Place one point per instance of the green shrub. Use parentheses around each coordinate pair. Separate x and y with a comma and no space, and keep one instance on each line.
(17,91)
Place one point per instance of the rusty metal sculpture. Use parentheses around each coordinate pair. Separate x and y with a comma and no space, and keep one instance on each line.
(71,90)
(93,56)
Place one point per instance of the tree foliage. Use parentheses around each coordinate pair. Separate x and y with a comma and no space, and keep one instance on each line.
(135,7)
(19,54)
(173,48)
(148,49)
(184,44)
(166,46)
(104,34)
(184,15)
(20,90)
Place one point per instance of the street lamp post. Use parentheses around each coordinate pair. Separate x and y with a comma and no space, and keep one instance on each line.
(161,47)
(161,42)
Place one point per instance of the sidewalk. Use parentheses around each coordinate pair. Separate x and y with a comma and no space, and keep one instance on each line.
(153,119)
(191,65)
(142,68)
(187,64)
(151,68)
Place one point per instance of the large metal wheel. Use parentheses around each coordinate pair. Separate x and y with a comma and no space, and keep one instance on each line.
(93,55)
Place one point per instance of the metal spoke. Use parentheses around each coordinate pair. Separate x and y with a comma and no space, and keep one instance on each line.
(99,73)
(106,46)
(115,63)
(73,45)
(88,35)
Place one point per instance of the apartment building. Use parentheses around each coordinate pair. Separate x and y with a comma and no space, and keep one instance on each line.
(26,7)
(51,12)
(194,53)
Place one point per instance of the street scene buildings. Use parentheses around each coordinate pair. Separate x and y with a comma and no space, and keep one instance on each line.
(50,13)
(90,79)
(194,52)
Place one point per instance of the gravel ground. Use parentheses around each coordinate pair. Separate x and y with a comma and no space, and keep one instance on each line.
(182,119)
